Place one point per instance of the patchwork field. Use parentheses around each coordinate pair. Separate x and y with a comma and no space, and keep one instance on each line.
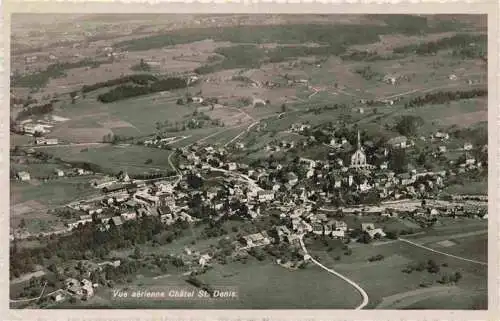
(390,292)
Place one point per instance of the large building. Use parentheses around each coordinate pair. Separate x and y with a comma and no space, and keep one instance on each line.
(358,159)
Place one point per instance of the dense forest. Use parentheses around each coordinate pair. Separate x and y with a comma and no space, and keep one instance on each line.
(442,97)
(89,242)
(41,78)
(338,35)
(465,45)
(139,79)
(35,111)
(128,91)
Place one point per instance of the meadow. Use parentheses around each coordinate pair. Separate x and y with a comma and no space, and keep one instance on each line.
(384,280)
(134,159)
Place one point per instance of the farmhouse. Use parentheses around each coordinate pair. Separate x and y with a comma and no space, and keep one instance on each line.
(32,129)
(468,146)
(147,199)
(255,240)
(23,176)
(398,142)
(59,172)
(46,141)
(103,182)
(265,196)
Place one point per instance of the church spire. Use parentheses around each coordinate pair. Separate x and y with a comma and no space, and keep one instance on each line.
(359,140)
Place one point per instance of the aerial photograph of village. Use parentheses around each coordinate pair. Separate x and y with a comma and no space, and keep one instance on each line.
(248,161)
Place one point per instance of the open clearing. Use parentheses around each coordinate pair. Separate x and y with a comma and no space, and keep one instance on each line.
(114,158)
(379,281)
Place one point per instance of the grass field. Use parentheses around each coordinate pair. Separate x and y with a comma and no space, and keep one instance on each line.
(384,279)
(114,158)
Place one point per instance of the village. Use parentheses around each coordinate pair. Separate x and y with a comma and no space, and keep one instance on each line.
(302,192)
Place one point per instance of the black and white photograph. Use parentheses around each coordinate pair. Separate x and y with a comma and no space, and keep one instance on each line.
(248,161)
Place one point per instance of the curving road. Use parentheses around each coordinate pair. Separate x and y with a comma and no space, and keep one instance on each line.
(351,282)
(443,253)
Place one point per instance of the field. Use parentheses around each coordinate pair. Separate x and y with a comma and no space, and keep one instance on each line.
(29,201)
(389,288)
(115,158)
(352,72)
(260,285)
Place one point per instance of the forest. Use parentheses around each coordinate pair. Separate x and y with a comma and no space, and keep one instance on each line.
(129,91)
(138,79)
(442,97)
(462,44)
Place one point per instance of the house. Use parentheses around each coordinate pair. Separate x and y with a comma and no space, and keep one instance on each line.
(73,286)
(441,135)
(390,79)
(317,228)
(367,226)
(147,199)
(128,216)
(204,259)
(103,182)
(338,234)
(375,232)
(123,177)
(46,141)
(257,239)
(87,289)
(32,129)
(197,100)
(265,196)
(292,178)
(231,166)
(23,176)
(398,142)
(442,149)
(59,297)
(59,172)
(468,146)
(469,160)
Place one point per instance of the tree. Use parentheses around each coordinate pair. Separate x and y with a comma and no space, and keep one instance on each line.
(137,252)
(398,160)
(457,276)
(73,96)
(408,125)
(364,238)
(432,267)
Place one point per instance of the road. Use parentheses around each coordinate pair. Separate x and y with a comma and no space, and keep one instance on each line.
(242,176)
(351,282)
(443,253)
(242,133)
(33,299)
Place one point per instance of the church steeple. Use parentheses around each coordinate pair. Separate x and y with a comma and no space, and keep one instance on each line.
(359,140)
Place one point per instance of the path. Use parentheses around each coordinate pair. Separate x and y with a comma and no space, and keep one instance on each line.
(351,282)
(443,253)
(33,299)
(242,133)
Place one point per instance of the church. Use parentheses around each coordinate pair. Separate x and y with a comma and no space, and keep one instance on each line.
(358,159)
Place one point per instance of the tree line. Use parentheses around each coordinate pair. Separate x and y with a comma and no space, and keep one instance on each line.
(129,91)
(456,42)
(57,70)
(139,79)
(36,110)
(442,97)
